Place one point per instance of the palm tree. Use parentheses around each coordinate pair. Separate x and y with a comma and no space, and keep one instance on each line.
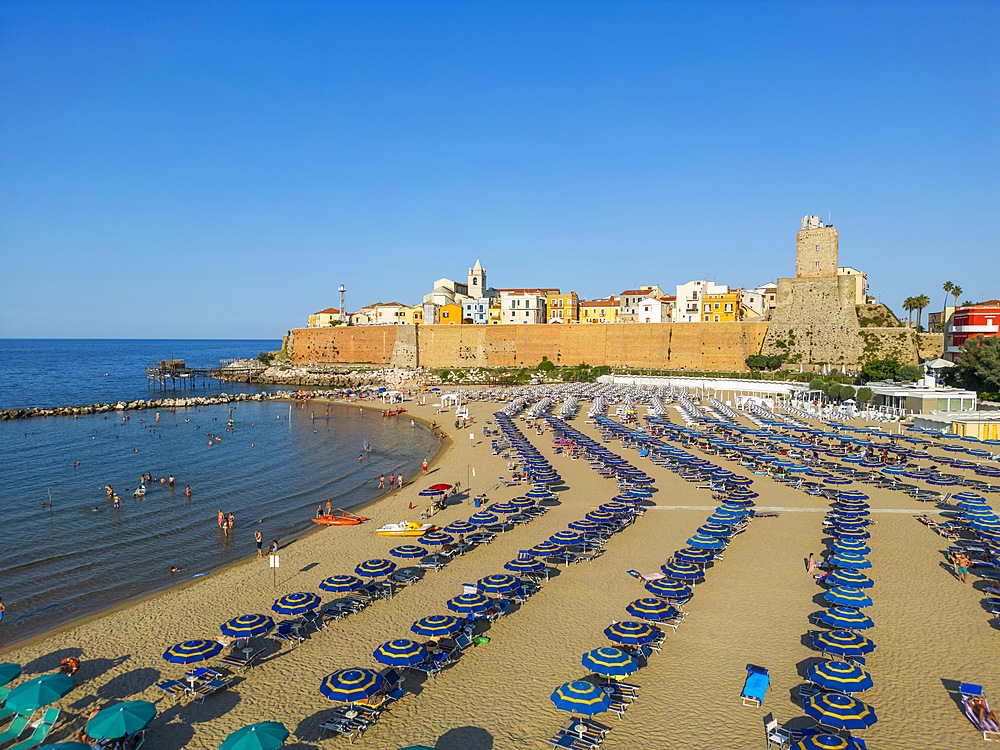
(909,307)
(948,286)
(920,302)
(956,292)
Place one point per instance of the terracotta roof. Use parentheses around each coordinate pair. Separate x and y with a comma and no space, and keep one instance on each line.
(530,290)
(606,302)
(329,310)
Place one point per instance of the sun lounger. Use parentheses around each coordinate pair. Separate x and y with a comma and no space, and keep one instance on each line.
(756,684)
(675,622)
(173,688)
(975,694)
(241,663)
(573,742)
(15,728)
(206,689)
(285,633)
(348,727)
(42,729)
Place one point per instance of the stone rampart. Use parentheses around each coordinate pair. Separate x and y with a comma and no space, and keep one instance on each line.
(815,322)
(693,346)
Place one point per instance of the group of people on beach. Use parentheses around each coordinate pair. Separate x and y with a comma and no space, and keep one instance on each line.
(227,522)
(394,481)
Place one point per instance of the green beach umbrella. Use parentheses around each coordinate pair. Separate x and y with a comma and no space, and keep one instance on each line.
(268,735)
(8,672)
(121,720)
(38,692)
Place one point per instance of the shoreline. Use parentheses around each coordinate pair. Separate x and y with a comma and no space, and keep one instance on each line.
(285,542)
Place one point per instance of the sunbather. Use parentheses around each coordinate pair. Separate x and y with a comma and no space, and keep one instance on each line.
(983,713)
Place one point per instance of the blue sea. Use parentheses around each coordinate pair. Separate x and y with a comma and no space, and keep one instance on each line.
(68,552)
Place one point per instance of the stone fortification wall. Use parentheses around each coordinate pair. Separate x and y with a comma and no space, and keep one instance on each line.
(897,342)
(815,321)
(930,345)
(693,346)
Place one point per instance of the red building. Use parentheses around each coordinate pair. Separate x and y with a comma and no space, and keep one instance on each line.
(981,319)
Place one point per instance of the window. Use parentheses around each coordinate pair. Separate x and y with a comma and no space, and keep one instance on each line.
(708,307)
(817,248)
(716,318)
(716,306)
(729,307)
(817,264)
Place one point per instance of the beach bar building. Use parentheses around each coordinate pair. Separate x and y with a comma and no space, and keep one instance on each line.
(982,425)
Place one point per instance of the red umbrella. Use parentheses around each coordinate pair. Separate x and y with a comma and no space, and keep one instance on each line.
(440,487)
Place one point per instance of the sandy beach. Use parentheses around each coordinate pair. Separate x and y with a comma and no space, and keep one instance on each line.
(931,630)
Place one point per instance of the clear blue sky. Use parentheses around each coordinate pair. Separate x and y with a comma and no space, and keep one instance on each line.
(216,169)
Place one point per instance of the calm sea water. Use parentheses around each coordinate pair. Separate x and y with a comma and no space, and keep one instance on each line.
(270,469)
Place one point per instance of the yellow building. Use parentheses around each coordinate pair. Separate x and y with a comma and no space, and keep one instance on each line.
(450,315)
(496,313)
(720,308)
(600,310)
(562,308)
(412,315)
(328,317)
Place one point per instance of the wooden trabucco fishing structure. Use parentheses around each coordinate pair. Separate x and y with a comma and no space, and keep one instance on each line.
(174,373)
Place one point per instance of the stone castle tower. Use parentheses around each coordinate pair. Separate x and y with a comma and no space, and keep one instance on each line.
(815,321)
(477,281)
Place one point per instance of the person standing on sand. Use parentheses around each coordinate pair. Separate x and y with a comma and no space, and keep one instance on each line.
(399,479)
(961,566)
(810,563)
(424,466)
(381,482)
(259,539)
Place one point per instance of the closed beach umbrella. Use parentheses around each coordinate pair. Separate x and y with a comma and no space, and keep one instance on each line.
(246,626)
(430,492)
(296,604)
(629,632)
(8,672)
(839,676)
(499,583)
(668,588)
(826,742)
(581,697)
(704,541)
(850,577)
(524,565)
(651,608)
(483,518)
(566,537)
(39,691)
(408,551)
(682,571)
(842,643)
(610,662)
(189,652)
(437,538)
(846,618)
(353,684)
(469,604)
(401,652)
(436,626)
(268,735)
(839,711)
(341,584)
(460,527)
(694,555)
(847,596)
(121,720)
(375,568)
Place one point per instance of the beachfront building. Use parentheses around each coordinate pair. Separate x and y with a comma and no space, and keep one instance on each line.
(562,308)
(860,279)
(606,310)
(631,298)
(328,317)
(522,307)
(721,307)
(653,310)
(967,321)
(687,308)
(981,425)
(412,315)
(923,397)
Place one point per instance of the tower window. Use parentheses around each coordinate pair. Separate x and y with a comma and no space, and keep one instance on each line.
(817,248)
(817,264)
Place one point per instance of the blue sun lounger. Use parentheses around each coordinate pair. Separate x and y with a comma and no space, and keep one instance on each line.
(756,685)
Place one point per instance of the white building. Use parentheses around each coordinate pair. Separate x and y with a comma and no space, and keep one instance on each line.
(653,310)
(388,313)
(630,298)
(754,304)
(687,308)
(860,283)
(522,308)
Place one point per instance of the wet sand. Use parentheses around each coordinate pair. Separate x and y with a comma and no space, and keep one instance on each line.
(754,607)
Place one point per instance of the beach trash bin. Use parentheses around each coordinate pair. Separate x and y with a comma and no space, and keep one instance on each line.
(477,502)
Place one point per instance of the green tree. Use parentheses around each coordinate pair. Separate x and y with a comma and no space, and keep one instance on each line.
(545,365)
(948,287)
(978,364)
(956,292)
(816,384)
(880,369)
(846,391)
(920,302)
(864,394)
(909,306)
(831,390)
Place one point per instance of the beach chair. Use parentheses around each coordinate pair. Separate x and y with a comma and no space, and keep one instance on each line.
(776,735)
(42,728)
(974,702)
(16,728)
(206,689)
(346,726)
(586,729)
(285,633)
(573,742)
(174,688)
(676,621)
(241,663)
(755,685)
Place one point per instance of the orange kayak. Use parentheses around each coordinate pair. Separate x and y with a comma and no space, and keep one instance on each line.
(340,519)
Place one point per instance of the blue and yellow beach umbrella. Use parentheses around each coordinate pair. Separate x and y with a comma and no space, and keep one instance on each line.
(629,632)
(522,502)
(408,551)
(850,577)
(460,526)
(847,596)
(651,608)
(375,568)
(667,588)
(469,604)
(846,618)
(341,584)
(189,652)
(353,684)
(504,508)
(839,711)
(585,525)
(545,549)
(436,626)
(247,626)
(296,604)
(826,742)
(581,697)
(483,518)
(704,541)
(498,583)
(694,555)
(566,537)
(437,538)
(610,662)
(840,676)
(401,652)
(524,565)
(842,643)
(682,571)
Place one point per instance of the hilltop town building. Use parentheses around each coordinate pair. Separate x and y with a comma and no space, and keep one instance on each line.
(630,298)
(600,310)
(690,298)
(522,307)
(967,321)
(723,307)
(328,317)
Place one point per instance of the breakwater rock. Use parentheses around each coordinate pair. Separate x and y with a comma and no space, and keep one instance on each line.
(141,404)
